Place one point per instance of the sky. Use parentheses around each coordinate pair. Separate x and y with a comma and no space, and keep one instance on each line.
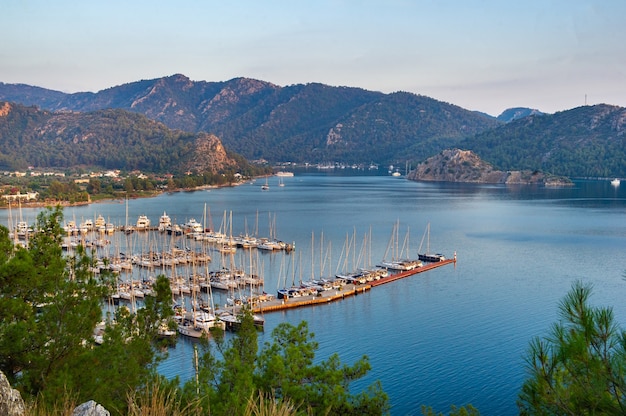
(483,55)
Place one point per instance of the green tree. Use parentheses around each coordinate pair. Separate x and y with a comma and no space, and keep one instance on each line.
(580,368)
(232,372)
(94,186)
(47,310)
(49,307)
(286,369)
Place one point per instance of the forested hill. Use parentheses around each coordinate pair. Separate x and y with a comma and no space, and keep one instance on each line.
(301,123)
(587,141)
(110,139)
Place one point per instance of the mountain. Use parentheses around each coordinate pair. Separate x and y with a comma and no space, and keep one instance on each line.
(320,123)
(587,141)
(517,113)
(301,123)
(455,165)
(110,139)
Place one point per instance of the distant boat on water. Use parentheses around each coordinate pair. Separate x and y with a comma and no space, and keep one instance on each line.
(265,186)
(281,173)
(615,182)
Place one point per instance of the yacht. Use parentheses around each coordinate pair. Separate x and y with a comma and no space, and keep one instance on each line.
(192,226)
(615,182)
(164,222)
(143,223)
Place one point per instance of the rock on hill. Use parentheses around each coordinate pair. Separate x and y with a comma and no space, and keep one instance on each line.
(455,165)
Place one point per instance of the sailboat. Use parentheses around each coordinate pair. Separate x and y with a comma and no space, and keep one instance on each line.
(397,262)
(428,256)
(280,181)
(265,186)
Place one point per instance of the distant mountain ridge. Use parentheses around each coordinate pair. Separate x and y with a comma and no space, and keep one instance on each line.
(319,123)
(302,123)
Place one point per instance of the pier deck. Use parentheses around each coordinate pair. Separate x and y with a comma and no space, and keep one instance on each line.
(348,290)
(402,275)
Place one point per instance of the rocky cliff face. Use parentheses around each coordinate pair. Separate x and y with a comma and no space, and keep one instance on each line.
(11,403)
(210,155)
(455,165)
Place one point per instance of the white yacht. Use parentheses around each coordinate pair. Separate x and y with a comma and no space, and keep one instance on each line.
(164,222)
(143,223)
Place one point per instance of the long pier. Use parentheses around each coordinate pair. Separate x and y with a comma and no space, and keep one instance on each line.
(324,297)
(402,275)
(348,290)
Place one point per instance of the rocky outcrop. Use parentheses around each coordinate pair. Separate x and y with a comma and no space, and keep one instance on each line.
(11,402)
(210,155)
(90,408)
(455,165)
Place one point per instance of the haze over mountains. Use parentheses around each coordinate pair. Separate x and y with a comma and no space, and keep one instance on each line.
(319,123)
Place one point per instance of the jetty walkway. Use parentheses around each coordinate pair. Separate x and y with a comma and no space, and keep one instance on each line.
(347,290)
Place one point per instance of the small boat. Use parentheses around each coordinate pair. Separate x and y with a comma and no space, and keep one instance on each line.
(192,226)
(100,224)
(88,224)
(187,328)
(265,186)
(143,223)
(164,222)
(428,256)
(174,230)
(615,182)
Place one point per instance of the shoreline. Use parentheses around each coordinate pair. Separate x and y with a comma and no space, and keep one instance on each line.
(66,204)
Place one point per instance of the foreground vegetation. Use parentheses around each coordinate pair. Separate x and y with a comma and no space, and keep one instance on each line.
(580,367)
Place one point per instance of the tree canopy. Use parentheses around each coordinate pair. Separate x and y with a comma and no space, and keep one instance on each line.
(284,370)
(50,305)
(580,367)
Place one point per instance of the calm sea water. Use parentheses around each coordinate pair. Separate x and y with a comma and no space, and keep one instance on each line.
(454,335)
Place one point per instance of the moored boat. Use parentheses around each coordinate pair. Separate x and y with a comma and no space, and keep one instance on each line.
(143,223)
(164,222)
(192,226)
(428,256)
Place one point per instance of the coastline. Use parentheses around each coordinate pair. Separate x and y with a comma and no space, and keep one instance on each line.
(64,204)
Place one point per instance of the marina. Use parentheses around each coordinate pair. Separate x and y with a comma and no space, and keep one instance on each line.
(187,261)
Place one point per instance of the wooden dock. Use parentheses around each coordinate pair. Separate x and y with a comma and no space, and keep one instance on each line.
(348,290)
(402,275)
(326,296)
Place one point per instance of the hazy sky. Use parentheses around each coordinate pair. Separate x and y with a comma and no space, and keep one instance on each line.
(481,55)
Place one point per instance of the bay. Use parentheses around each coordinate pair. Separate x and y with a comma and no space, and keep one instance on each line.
(453,335)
